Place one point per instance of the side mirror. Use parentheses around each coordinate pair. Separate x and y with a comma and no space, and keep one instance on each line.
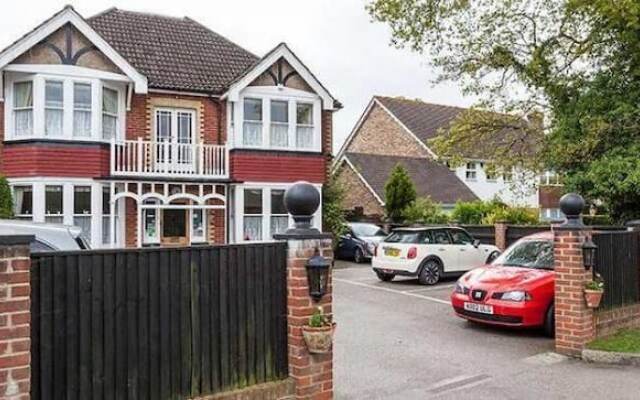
(476,243)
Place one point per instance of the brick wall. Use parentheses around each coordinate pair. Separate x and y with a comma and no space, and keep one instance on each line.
(137,120)
(381,134)
(312,374)
(610,321)
(501,235)
(327,139)
(131,222)
(575,323)
(1,137)
(15,319)
(356,194)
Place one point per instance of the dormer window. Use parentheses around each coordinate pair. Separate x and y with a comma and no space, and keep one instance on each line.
(23,108)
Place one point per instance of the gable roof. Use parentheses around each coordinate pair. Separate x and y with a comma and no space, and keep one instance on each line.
(174,53)
(430,178)
(69,16)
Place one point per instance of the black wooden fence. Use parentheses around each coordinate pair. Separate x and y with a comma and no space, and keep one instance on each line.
(618,261)
(158,323)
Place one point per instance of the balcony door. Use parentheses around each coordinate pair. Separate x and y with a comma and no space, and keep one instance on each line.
(174,139)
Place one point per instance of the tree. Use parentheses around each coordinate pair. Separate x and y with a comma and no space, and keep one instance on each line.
(6,201)
(399,192)
(333,219)
(578,61)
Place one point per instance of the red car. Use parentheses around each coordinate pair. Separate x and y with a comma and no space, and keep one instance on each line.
(516,289)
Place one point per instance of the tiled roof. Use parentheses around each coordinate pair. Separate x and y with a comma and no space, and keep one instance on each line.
(430,178)
(173,53)
(427,120)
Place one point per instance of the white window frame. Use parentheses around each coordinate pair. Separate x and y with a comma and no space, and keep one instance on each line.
(47,108)
(238,208)
(103,113)
(89,214)
(91,110)
(10,111)
(15,203)
(61,215)
(38,110)
(146,239)
(471,171)
(268,94)
(192,237)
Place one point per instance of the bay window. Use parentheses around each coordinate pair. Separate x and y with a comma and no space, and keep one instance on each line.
(304,126)
(23,108)
(82,209)
(53,211)
(23,202)
(109,113)
(279,215)
(82,110)
(279,135)
(53,108)
(252,214)
(252,127)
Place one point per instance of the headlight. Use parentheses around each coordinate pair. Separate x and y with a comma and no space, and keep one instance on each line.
(371,248)
(461,289)
(514,295)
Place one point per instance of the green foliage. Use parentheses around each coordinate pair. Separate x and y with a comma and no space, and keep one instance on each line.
(489,212)
(624,341)
(424,211)
(577,61)
(319,319)
(333,219)
(399,193)
(6,201)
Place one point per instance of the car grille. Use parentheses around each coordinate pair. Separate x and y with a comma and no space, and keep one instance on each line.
(507,319)
(478,295)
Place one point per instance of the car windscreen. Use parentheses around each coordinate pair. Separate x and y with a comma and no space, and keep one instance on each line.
(405,237)
(364,230)
(528,254)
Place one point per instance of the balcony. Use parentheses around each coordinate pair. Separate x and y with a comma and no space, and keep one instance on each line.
(167,159)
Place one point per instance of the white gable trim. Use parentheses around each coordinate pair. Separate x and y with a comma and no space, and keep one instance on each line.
(233,94)
(423,145)
(355,129)
(69,15)
(364,181)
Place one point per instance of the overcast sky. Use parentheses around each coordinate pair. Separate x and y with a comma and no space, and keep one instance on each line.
(334,38)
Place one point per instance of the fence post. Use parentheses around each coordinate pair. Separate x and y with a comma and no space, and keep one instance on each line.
(500,228)
(15,317)
(312,373)
(575,323)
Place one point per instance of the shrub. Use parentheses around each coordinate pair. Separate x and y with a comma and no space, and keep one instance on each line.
(512,215)
(425,211)
(474,212)
(6,201)
(399,192)
(333,219)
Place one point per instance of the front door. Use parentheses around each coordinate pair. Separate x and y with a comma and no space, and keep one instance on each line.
(175,227)
(175,144)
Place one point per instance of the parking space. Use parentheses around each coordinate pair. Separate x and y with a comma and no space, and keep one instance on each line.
(401,340)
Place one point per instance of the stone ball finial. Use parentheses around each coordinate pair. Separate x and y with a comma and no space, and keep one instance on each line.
(302,200)
(571,205)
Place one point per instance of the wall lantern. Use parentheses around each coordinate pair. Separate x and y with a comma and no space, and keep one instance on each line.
(589,254)
(318,276)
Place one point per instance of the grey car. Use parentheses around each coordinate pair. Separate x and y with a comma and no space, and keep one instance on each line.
(48,237)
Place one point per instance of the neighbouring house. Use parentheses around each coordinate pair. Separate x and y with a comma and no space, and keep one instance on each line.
(396,130)
(152,130)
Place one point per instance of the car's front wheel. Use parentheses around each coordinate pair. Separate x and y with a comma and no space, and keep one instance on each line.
(384,277)
(550,322)
(430,272)
(358,256)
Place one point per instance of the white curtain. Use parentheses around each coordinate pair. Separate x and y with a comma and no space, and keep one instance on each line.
(82,123)
(109,124)
(279,134)
(18,194)
(252,133)
(109,113)
(53,122)
(279,224)
(253,228)
(23,108)
(304,137)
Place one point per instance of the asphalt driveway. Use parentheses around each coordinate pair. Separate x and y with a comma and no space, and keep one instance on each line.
(401,340)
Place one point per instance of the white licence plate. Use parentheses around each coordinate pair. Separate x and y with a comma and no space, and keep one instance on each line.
(479,308)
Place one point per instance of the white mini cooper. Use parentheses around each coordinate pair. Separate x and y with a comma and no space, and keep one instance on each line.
(429,253)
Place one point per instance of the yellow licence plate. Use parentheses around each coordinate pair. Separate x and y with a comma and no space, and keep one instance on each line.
(390,251)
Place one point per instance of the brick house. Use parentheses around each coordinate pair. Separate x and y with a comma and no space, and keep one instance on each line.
(397,131)
(152,130)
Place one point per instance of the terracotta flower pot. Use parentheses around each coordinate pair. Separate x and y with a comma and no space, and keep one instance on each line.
(319,340)
(593,297)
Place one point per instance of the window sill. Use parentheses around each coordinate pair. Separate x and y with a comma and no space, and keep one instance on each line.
(47,139)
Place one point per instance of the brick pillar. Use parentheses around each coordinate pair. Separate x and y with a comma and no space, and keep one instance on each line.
(15,317)
(500,228)
(575,323)
(313,374)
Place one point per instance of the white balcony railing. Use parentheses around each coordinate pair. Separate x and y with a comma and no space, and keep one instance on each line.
(165,159)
